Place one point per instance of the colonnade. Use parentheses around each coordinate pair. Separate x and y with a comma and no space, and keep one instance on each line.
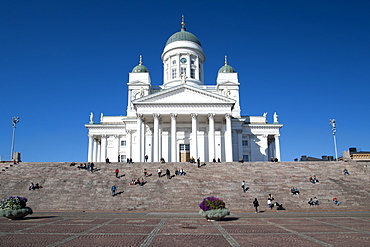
(194,146)
(151,143)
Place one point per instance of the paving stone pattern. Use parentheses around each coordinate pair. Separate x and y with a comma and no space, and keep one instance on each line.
(143,229)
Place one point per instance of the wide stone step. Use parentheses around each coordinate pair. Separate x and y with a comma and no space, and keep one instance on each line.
(68,188)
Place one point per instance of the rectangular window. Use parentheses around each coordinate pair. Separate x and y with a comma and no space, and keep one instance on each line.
(174,75)
(183,71)
(192,73)
(173,62)
(246,158)
(123,158)
(245,143)
(184,147)
(123,143)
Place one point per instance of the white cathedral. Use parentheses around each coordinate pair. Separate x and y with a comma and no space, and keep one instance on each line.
(183,117)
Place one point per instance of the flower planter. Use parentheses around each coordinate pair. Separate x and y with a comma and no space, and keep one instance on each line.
(15,214)
(215,214)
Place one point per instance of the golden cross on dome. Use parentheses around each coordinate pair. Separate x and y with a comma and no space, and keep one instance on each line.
(141,60)
(183,22)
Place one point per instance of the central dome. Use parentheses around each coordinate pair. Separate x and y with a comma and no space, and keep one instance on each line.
(183,35)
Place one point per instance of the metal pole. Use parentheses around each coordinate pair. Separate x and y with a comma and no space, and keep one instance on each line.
(12,149)
(333,124)
(15,120)
(335,148)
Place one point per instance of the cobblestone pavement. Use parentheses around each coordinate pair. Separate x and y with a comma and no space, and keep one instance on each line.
(187,229)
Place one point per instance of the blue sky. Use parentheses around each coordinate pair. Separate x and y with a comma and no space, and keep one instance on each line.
(307,60)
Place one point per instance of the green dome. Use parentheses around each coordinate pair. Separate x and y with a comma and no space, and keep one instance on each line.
(226,69)
(183,35)
(140,69)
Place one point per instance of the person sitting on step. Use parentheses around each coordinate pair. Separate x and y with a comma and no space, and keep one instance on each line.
(345,171)
(336,202)
(310,202)
(37,186)
(294,190)
(279,206)
(32,187)
(142,182)
(314,179)
(270,204)
(315,201)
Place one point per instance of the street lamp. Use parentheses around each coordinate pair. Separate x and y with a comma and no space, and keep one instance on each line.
(334,131)
(15,120)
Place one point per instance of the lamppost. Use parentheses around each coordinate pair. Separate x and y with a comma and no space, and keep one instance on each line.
(15,120)
(334,131)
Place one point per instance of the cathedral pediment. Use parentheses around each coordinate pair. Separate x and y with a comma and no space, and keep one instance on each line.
(184,94)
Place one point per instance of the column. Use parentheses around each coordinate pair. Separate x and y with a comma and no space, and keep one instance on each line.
(99,152)
(90,150)
(277,146)
(118,148)
(160,155)
(95,150)
(173,138)
(143,152)
(128,143)
(211,136)
(188,67)
(139,153)
(103,147)
(194,136)
(228,139)
(252,144)
(240,143)
(156,137)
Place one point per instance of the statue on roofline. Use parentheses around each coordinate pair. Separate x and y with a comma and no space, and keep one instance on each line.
(91,118)
(276,117)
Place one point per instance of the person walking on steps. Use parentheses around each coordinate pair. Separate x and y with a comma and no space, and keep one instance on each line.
(244,186)
(255,204)
(113,189)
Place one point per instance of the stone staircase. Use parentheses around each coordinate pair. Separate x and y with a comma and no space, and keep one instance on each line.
(66,187)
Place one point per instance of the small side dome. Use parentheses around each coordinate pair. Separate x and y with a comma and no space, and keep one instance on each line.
(140,68)
(226,68)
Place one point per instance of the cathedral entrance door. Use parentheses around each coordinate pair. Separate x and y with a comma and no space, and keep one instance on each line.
(184,152)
